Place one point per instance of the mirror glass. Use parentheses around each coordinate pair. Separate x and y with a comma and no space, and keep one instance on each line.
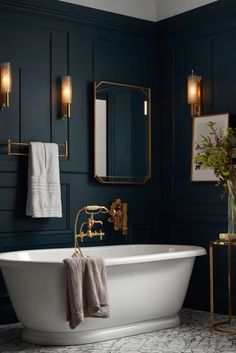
(122,133)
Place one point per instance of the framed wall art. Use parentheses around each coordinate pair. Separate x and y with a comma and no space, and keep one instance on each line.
(200,128)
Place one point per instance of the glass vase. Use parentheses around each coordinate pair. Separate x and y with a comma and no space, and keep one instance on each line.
(231,207)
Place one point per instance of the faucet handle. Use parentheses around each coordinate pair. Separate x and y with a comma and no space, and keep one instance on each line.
(91,208)
(98,222)
(100,234)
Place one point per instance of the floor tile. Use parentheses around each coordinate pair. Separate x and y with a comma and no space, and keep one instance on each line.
(191,336)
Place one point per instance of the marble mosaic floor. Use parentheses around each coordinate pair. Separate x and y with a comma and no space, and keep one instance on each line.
(191,336)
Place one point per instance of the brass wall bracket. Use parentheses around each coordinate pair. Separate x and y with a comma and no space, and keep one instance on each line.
(118,212)
(4,100)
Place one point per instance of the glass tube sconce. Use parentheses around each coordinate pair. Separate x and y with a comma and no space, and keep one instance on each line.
(5,84)
(66,96)
(194,94)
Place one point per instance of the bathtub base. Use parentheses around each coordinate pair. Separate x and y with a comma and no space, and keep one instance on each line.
(91,336)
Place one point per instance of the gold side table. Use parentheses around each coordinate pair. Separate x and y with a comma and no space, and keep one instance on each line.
(220,326)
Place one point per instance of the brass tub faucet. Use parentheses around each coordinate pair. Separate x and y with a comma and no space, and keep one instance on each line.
(118,215)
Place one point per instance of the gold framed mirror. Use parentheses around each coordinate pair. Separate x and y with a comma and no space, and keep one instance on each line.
(122,133)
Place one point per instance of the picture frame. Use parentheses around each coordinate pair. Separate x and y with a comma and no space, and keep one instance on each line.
(200,128)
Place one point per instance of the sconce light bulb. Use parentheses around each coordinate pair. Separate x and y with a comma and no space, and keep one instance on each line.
(66,90)
(194,94)
(193,84)
(6,80)
(5,77)
(5,85)
(193,91)
(66,96)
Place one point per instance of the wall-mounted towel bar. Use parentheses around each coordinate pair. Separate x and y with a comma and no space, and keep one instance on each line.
(12,153)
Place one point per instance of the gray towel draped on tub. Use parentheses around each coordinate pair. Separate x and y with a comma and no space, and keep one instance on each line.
(86,289)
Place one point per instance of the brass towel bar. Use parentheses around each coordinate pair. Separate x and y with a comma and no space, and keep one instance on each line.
(11,143)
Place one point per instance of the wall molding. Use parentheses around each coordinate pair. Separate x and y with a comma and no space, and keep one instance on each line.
(224,9)
(82,15)
(218,11)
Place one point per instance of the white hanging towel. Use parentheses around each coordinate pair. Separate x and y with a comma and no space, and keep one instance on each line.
(44,192)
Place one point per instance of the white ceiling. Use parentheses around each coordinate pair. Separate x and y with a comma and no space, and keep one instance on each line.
(152,10)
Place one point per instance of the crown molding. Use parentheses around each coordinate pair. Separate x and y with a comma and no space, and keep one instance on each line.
(198,18)
(219,11)
(80,15)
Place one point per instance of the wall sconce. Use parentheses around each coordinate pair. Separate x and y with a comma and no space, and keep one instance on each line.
(194,94)
(66,96)
(5,86)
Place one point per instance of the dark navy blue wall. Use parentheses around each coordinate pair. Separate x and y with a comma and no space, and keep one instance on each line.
(203,40)
(44,40)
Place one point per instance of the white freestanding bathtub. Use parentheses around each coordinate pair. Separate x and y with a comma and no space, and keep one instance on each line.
(146,287)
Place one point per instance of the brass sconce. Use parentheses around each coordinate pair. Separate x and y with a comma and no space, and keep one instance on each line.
(194,94)
(5,85)
(66,96)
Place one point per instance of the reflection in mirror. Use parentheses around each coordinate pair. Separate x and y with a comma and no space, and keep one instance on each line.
(122,133)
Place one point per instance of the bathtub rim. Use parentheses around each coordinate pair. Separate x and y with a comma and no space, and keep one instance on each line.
(189,251)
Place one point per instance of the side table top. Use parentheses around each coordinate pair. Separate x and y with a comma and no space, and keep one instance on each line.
(221,242)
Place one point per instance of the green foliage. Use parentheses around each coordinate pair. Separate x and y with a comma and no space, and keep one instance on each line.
(216,151)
